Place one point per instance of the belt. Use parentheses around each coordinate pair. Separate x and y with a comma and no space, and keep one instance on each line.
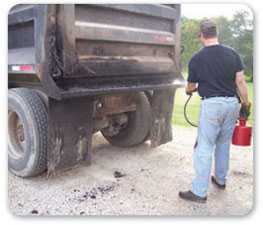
(216,96)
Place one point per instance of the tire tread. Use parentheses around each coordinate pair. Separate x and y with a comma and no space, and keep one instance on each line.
(38,112)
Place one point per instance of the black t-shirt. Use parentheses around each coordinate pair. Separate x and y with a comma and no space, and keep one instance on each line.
(214,69)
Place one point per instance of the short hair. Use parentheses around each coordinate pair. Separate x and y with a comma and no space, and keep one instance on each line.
(208,28)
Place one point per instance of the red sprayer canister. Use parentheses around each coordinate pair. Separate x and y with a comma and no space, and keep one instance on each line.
(242,133)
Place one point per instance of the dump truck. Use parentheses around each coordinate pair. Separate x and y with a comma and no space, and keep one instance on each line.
(78,69)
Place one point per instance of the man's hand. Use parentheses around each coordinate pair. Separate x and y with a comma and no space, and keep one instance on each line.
(188,93)
(190,88)
(245,110)
(243,94)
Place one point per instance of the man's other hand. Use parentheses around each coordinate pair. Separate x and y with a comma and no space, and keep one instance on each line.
(245,110)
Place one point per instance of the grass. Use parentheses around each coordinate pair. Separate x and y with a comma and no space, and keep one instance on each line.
(193,107)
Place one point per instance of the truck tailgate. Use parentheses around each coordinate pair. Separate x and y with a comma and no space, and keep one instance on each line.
(118,40)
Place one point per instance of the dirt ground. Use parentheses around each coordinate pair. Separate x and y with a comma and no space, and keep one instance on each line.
(137,181)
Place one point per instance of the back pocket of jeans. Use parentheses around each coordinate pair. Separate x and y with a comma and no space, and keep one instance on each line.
(212,113)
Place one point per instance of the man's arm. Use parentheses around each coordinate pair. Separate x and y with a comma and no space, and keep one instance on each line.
(242,88)
(190,88)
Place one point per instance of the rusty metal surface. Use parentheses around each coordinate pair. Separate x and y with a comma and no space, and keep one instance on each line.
(114,104)
(70,128)
(162,110)
(163,100)
(94,31)
(109,13)
(45,64)
(158,11)
(130,40)
(118,85)
(124,65)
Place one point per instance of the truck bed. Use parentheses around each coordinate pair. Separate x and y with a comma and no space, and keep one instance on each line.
(90,49)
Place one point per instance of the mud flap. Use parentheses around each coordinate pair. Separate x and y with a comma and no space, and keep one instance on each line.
(69,133)
(162,108)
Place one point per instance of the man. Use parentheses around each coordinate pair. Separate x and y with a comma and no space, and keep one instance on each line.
(217,73)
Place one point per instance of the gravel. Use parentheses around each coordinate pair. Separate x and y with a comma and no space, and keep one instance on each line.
(136,181)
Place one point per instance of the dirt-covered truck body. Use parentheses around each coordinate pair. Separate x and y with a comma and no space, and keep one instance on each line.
(87,68)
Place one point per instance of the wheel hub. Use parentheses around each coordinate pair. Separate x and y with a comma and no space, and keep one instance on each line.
(117,123)
(16,135)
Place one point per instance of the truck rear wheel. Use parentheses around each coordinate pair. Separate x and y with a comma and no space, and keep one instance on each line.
(27,132)
(135,129)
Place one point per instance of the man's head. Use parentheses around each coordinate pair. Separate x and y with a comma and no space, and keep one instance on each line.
(208,31)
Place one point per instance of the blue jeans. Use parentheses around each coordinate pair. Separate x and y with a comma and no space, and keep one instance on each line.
(217,120)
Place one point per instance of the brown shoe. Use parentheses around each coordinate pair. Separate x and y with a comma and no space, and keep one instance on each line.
(220,186)
(190,196)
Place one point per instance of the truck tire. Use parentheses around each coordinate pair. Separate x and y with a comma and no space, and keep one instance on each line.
(43,97)
(27,133)
(138,125)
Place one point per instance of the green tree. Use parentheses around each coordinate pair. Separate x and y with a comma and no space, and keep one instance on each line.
(190,40)
(225,35)
(242,29)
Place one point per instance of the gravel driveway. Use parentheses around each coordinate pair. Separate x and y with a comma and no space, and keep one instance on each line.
(137,181)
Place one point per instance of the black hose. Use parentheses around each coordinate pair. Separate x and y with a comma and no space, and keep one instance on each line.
(185,114)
